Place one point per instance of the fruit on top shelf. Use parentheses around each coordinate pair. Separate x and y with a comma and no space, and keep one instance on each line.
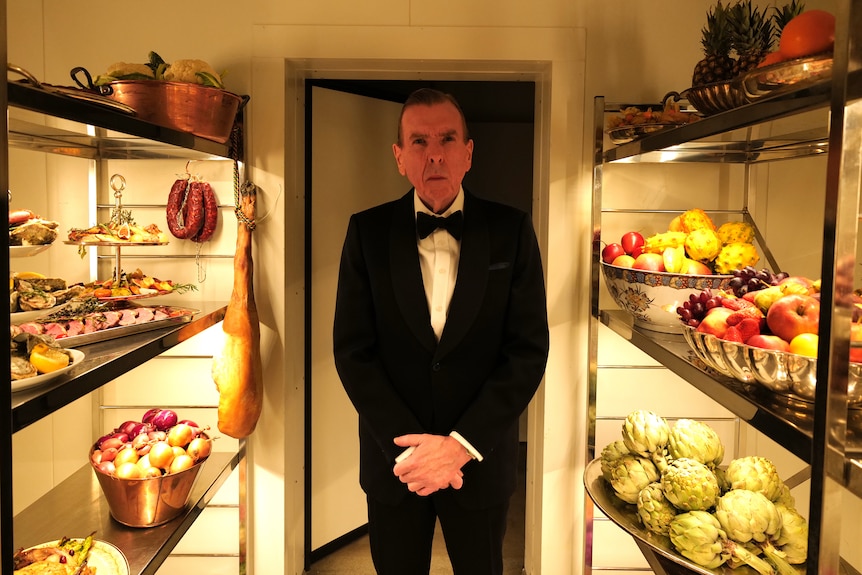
(713,516)
(739,37)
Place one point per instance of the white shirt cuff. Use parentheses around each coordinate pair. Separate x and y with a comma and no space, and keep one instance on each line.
(470,449)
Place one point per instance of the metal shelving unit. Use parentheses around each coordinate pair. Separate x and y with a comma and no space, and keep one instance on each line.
(77,504)
(824,118)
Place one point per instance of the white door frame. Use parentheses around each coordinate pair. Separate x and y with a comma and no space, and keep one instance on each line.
(284,56)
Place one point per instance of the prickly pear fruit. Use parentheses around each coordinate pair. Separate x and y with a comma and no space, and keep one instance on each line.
(658,242)
(736,232)
(702,244)
(736,256)
(695,219)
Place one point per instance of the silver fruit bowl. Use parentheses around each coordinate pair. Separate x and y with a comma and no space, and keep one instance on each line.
(786,374)
(652,297)
(716,97)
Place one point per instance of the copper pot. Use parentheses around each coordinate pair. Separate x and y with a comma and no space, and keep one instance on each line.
(201,110)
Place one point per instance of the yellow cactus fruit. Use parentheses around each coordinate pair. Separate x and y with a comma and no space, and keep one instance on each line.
(695,219)
(702,244)
(657,243)
(735,256)
(736,233)
(675,224)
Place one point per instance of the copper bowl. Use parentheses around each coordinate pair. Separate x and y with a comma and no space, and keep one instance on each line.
(200,110)
(151,501)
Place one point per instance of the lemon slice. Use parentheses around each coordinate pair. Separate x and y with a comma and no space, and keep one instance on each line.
(29,276)
(47,359)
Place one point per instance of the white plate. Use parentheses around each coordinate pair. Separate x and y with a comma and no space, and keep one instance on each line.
(27,251)
(20,317)
(27,383)
(104,557)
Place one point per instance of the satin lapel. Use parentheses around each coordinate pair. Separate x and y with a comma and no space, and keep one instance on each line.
(472,278)
(406,275)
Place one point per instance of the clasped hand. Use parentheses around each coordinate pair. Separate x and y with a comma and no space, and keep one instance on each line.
(435,463)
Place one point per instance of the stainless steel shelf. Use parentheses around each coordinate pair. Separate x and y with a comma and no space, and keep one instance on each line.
(77,507)
(783,420)
(729,137)
(105,361)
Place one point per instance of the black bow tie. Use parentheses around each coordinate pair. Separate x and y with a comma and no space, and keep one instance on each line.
(426,223)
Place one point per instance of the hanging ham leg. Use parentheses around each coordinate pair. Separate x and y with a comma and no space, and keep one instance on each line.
(237,369)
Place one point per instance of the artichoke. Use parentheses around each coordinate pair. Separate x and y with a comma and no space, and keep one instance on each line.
(785,497)
(610,454)
(793,541)
(645,432)
(654,510)
(630,474)
(690,485)
(748,515)
(695,440)
(697,535)
(754,473)
(721,477)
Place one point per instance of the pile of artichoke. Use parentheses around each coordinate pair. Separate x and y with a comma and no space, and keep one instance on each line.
(714,516)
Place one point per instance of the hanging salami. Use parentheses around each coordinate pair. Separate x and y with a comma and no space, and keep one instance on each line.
(192,210)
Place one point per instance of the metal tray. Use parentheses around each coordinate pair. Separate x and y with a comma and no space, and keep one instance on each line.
(124,330)
(625,516)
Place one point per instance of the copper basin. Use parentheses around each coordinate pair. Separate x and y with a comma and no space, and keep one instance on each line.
(201,110)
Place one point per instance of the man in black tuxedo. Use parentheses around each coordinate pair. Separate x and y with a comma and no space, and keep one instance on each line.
(440,340)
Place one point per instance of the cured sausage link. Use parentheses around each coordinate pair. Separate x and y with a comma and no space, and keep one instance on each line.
(176,200)
(210,216)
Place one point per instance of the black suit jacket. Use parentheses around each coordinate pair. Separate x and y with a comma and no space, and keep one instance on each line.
(490,358)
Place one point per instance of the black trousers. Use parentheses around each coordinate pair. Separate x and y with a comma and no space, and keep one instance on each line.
(401,536)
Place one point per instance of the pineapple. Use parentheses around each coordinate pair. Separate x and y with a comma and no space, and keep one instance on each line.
(751,35)
(785,14)
(735,257)
(717,64)
(702,244)
(736,232)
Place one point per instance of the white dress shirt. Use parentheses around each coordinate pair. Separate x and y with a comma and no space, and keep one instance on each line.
(439,254)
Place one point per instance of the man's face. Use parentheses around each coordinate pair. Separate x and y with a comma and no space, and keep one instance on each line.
(433,154)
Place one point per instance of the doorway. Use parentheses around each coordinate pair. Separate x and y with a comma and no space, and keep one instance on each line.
(501,118)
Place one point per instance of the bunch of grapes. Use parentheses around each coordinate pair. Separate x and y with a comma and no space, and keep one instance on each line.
(693,310)
(749,279)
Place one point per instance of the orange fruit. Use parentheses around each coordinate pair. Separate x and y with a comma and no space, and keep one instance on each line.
(811,32)
(772,58)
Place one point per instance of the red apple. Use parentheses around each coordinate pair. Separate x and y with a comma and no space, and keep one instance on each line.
(715,321)
(611,252)
(793,314)
(694,267)
(637,251)
(623,261)
(649,262)
(765,341)
(632,241)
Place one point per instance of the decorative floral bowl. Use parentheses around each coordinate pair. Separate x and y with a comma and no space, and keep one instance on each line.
(786,374)
(652,297)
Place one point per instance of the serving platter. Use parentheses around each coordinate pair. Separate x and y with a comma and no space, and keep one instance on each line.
(625,516)
(630,133)
(31,382)
(27,251)
(783,77)
(103,558)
